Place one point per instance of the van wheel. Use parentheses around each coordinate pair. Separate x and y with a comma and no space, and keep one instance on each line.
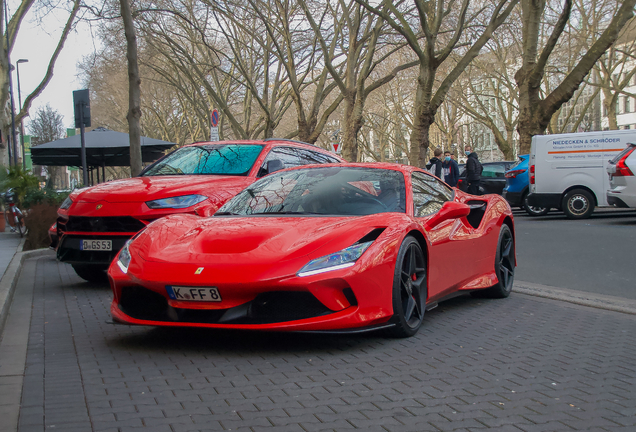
(578,204)
(531,210)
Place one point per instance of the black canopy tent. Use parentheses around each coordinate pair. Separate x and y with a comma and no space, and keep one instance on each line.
(103,148)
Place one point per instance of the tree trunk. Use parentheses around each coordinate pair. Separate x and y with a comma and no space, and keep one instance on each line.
(609,102)
(354,107)
(134,90)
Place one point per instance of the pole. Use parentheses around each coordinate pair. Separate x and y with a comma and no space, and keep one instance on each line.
(84,167)
(15,146)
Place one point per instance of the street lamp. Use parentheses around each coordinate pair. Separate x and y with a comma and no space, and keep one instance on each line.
(20,110)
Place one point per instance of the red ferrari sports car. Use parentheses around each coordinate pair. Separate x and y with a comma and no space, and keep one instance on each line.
(348,247)
(94,223)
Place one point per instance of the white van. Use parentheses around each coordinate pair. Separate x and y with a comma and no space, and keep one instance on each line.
(568,171)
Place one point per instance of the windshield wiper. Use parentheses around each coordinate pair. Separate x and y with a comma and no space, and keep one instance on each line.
(226,214)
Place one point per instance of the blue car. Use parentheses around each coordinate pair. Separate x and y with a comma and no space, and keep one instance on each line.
(517,185)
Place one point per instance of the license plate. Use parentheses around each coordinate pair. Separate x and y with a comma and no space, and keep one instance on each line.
(199,294)
(96,245)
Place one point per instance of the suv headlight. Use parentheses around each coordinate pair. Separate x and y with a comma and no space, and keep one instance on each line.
(339,260)
(179,202)
(67,203)
(123,259)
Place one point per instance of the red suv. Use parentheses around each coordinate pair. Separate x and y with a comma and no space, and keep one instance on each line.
(94,223)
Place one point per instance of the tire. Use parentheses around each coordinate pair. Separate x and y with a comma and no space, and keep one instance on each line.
(533,211)
(91,272)
(578,204)
(409,294)
(504,266)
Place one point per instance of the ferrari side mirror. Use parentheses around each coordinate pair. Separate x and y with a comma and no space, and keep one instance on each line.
(450,210)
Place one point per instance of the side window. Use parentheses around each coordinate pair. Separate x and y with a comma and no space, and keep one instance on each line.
(494,171)
(429,194)
(313,157)
(288,155)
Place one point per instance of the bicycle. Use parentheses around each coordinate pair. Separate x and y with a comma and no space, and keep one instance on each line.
(13,215)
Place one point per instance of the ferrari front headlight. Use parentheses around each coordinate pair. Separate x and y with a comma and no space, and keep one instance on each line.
(339,260)
(123,259)
(67,203)
(179,202)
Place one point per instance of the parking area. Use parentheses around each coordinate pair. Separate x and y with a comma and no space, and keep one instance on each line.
(519,364)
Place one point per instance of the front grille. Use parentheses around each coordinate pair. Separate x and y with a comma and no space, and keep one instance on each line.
(273,307)
(69,249)
(104,224)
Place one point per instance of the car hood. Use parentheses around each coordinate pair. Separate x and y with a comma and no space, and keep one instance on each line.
(141,189)
(267,240)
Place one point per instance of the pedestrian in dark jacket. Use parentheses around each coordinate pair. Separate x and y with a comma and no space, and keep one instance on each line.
(437,163)
(473,171)
(451,170)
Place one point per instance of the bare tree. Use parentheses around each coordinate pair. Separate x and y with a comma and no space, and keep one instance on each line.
(438,32)
(47,125)
(9,36)
(358,32)
(134,89)
(536,111)
(298,51)
(615,71)
(487,92)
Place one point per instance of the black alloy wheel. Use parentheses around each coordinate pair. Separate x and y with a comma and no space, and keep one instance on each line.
(409,289)
(504,266)
(532,210)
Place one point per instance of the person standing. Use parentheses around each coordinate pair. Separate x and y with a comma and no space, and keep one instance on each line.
(473,171)
(435,164)
(451,169)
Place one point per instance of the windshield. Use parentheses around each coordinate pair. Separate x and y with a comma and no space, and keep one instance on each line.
(227,159)
(322,191)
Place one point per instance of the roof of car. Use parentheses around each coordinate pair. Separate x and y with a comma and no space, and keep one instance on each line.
(263,141)
(376,165)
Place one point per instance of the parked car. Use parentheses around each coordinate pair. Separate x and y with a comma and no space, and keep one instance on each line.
(569,171)
(350,247)
(493,179)
(518,185)
(94,223)
(621,169)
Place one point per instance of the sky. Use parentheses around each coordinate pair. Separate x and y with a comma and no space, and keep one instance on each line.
(36,41)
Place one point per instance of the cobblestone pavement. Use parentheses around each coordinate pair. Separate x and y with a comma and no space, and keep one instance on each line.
(520,364)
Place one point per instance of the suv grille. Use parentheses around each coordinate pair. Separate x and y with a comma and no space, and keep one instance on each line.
(104,224)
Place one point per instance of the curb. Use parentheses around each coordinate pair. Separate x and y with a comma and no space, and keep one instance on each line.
(598,301)
(10,279)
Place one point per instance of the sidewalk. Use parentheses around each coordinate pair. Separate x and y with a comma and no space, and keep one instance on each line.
(521,364)
(9,243)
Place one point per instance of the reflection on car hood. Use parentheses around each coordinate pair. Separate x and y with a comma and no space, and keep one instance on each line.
(230,240)
(141,189)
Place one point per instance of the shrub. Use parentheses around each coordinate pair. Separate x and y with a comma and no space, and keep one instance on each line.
(20,181)
(38,220)
(38,196)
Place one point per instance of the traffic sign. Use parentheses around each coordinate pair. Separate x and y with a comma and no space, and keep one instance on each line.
(214,118)
(335,146)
